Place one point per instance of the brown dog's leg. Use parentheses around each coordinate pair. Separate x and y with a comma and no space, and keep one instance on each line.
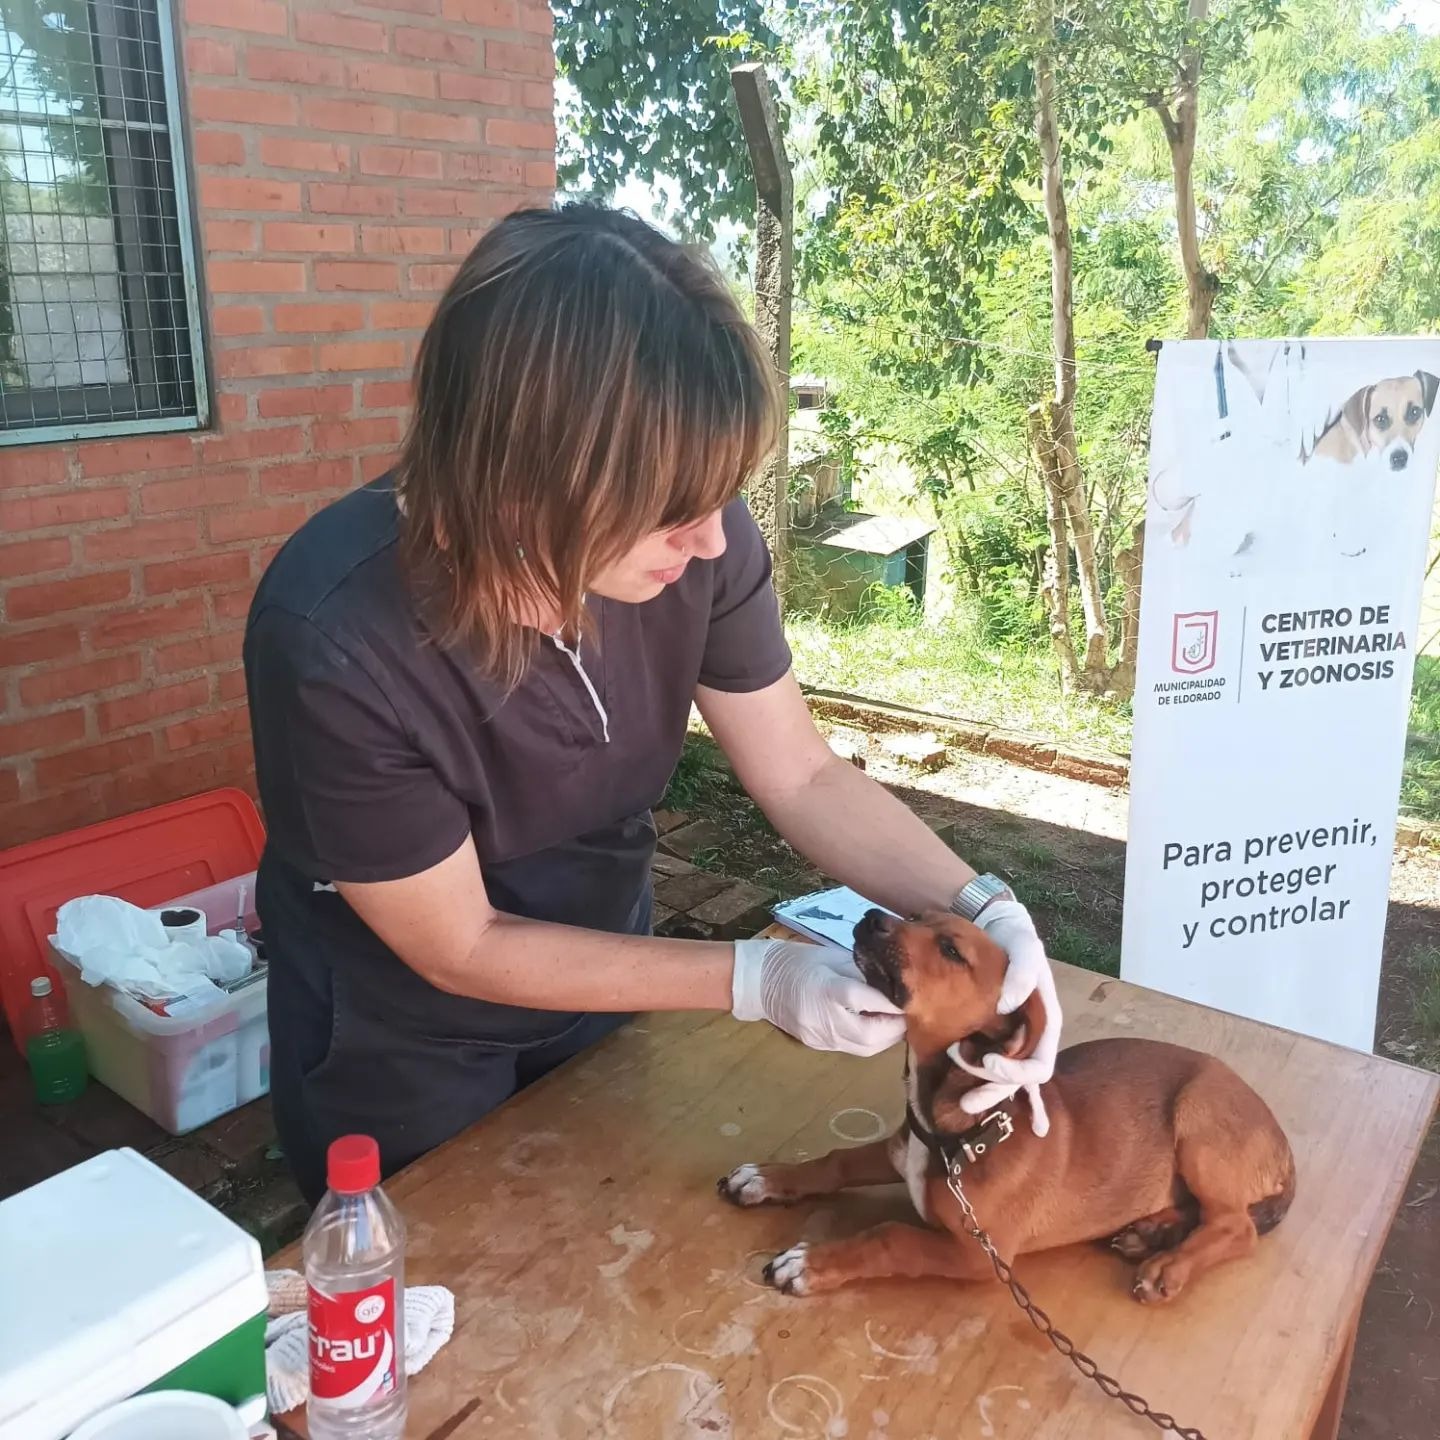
(1151,1234)
(1223,1184)
(1218,1238)
(785,1184)
(887,1252)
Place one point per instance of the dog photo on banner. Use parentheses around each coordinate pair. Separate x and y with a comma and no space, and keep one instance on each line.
(1288,518)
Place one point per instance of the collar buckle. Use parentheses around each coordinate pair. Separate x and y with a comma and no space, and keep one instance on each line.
(995,1129)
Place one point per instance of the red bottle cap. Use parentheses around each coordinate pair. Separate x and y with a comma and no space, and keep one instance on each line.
(353,1165)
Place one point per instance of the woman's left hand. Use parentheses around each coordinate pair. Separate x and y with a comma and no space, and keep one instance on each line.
(1008,923)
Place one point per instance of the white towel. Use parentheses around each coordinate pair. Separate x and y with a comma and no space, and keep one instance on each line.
(429,1321)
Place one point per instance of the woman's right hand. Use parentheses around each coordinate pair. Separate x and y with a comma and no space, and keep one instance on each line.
(814,993)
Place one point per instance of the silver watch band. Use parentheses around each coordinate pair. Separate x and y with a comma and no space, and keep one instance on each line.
(975,896)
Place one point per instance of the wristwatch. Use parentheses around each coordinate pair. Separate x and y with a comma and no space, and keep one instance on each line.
(975,896)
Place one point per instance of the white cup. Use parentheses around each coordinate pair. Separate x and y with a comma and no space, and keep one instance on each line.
(165,1415)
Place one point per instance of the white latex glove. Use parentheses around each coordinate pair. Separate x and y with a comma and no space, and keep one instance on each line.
(814,993)
(1008,924)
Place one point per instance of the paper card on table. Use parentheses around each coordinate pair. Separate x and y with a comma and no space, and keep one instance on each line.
(829,916)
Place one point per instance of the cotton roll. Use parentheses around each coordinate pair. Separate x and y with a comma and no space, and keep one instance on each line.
(184,923)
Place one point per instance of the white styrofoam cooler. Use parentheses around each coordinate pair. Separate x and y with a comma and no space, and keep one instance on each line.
(182,1070)
(113,1276)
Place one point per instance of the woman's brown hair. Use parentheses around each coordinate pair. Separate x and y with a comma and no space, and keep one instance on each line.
(584,382)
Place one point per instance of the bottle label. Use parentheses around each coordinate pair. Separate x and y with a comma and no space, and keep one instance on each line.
(352,1346)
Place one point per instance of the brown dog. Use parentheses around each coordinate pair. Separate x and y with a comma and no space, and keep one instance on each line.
(1385,417)
(1165,1152)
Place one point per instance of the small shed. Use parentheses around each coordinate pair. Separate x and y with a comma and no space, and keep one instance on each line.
(809,391)
(838,558)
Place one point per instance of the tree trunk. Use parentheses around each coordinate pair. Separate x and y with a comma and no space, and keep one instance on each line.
(1063,450)
(1055,584)
(769,491)
(1128,566)
(959,542)
(1181,127)
(947,517)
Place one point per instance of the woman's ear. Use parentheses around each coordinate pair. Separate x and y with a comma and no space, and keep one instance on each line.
(1025,1037)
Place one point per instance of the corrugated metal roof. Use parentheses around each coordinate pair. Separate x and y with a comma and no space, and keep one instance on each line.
(869,534)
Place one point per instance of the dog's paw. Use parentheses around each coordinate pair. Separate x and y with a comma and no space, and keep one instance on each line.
(789,1272)
(749,1185)
(1160,1280)
(1131,1245)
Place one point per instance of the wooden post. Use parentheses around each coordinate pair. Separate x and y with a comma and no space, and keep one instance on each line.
(774,266)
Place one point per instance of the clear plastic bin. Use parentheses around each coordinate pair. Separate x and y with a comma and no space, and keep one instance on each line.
(221,904)
(188,1068)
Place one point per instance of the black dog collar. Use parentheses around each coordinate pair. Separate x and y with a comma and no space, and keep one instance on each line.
(956,1153)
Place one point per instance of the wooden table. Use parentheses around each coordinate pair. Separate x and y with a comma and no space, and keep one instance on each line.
(603,1289)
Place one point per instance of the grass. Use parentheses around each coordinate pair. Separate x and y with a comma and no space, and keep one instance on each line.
(1074,945)
(703,785)
(1420,785)
(700,773)
(1079,927)
(1425,965)
(943,667)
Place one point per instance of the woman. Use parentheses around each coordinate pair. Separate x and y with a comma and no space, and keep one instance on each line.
(469,682)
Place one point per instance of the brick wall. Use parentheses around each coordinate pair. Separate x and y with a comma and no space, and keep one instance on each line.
(345,156)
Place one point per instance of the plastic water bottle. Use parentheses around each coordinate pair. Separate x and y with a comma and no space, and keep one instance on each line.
(354,1250)
(54,1049)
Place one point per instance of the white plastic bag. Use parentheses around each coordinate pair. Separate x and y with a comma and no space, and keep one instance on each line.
(117,943)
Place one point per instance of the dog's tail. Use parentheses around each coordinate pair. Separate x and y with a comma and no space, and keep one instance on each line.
(1270,1211)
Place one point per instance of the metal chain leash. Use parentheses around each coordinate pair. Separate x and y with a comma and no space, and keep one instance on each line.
(1061,1341)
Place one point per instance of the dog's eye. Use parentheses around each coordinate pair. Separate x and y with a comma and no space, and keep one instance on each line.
(949,950)
(1413,413)
(1382,419)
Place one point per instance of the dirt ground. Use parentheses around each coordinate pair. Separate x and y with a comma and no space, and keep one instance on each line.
(1061,843)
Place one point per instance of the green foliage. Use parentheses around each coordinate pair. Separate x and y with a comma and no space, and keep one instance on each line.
(1420,785)
(651,80)
(925,287)
(893,606)
(700,770)
(949,668)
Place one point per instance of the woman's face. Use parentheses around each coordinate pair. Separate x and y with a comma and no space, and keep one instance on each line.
(659,560)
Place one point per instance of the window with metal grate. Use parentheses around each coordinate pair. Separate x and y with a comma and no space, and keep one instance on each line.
(99,316)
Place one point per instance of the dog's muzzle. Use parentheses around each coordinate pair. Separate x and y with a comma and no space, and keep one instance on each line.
(1399,459)
(875,955)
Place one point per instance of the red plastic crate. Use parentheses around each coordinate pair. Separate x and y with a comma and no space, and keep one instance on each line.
(147,858)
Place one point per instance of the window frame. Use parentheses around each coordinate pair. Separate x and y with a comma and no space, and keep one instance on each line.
(55,402)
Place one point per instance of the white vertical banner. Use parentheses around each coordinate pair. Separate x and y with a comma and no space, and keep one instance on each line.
(1289,510)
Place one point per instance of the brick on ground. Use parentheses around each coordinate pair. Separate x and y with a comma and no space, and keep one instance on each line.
(689,840)
(242,1137)
(100,1118)
(663,866)
(272,1210)
(195,1166)
(736,912)
(668,820)
(927,752)
(33,1150)
(685,892)
(681,926)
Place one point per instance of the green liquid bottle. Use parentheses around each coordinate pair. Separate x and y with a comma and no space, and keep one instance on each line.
(54,1050)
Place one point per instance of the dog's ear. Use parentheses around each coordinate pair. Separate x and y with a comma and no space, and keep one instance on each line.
(1025,1037)
(1356,410)
(1429,388)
